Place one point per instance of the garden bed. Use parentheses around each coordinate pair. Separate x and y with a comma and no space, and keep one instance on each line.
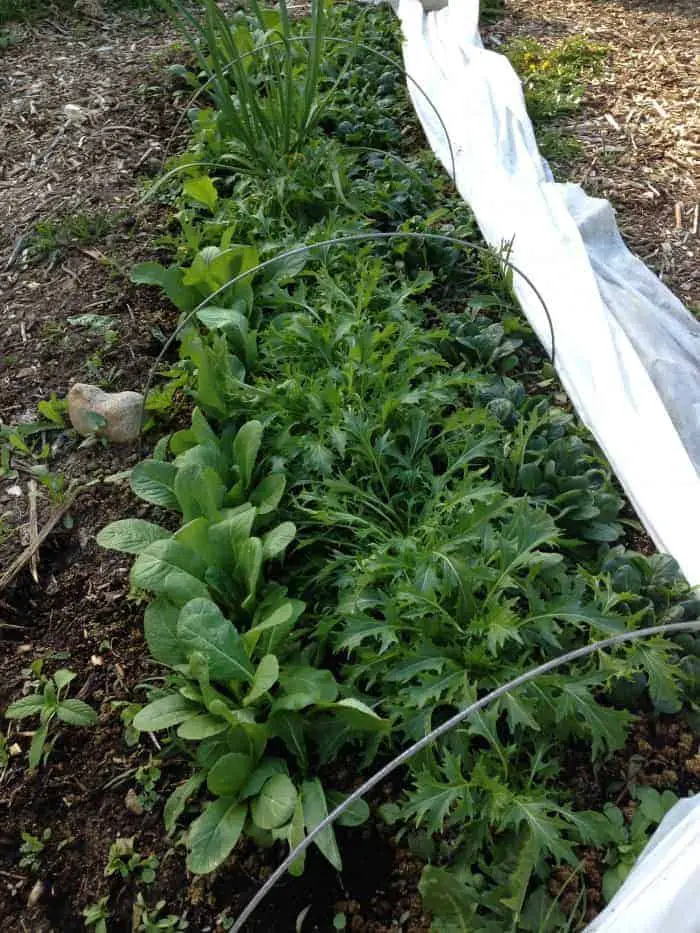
(419,485)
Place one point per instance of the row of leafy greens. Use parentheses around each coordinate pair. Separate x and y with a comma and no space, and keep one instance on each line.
(382,511)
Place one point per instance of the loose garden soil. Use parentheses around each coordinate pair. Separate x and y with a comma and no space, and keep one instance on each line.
(57,163)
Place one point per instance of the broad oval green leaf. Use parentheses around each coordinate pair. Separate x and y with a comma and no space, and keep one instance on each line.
(130,535)
(160,629)
(154,480)
(278,539)
(217,318)
(213,835)
(164,712)
(316,683)
(295,835)
(267,767)
(169,568)
(274,805)
(229,773)
(148,273)
(268,493)
(359,715)
(315,810)
(202,727)
(201,190)
(199,491)
(177,801)
(355,815)
(250,556)
(266,675)
(203,627)
(245,450)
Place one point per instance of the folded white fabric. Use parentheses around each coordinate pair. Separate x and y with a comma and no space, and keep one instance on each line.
(661,893)
(627,351)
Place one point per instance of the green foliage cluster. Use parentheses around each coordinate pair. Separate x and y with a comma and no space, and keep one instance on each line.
(51,703)
(380,513)
(554,82)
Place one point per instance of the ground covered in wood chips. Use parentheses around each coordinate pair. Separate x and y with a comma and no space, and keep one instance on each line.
(640,122)
(86,111)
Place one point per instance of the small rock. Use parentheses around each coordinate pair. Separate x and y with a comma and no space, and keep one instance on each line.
(132,802)
(114,415)
(36,894)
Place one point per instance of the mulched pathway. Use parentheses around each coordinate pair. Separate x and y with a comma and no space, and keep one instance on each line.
(640,123)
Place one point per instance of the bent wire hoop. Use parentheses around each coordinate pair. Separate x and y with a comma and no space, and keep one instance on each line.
(356,45)
(338,241)
(436,733)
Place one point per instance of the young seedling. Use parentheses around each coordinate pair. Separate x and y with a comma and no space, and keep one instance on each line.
(124,860)
(50,702)
(147,777)
(31,849)
(147,920)
(96,915)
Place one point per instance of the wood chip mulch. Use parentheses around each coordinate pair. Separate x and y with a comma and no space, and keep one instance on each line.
(640,121)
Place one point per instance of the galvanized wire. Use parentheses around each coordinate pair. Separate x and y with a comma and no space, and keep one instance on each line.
(339,241)
(436,733)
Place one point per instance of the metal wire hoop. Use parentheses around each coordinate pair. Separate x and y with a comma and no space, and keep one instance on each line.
(449,724)
(338,241)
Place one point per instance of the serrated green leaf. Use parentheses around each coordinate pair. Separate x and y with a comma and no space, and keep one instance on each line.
(451,904)
(25,706)
(76,713)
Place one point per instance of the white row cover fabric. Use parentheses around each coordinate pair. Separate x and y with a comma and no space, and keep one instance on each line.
(627,351)
(660,895)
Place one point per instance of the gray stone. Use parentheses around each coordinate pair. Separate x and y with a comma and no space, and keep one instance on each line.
(114,415)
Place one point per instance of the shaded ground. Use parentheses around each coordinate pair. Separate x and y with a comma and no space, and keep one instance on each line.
(640,124)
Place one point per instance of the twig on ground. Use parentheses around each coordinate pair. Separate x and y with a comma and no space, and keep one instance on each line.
(33,532)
